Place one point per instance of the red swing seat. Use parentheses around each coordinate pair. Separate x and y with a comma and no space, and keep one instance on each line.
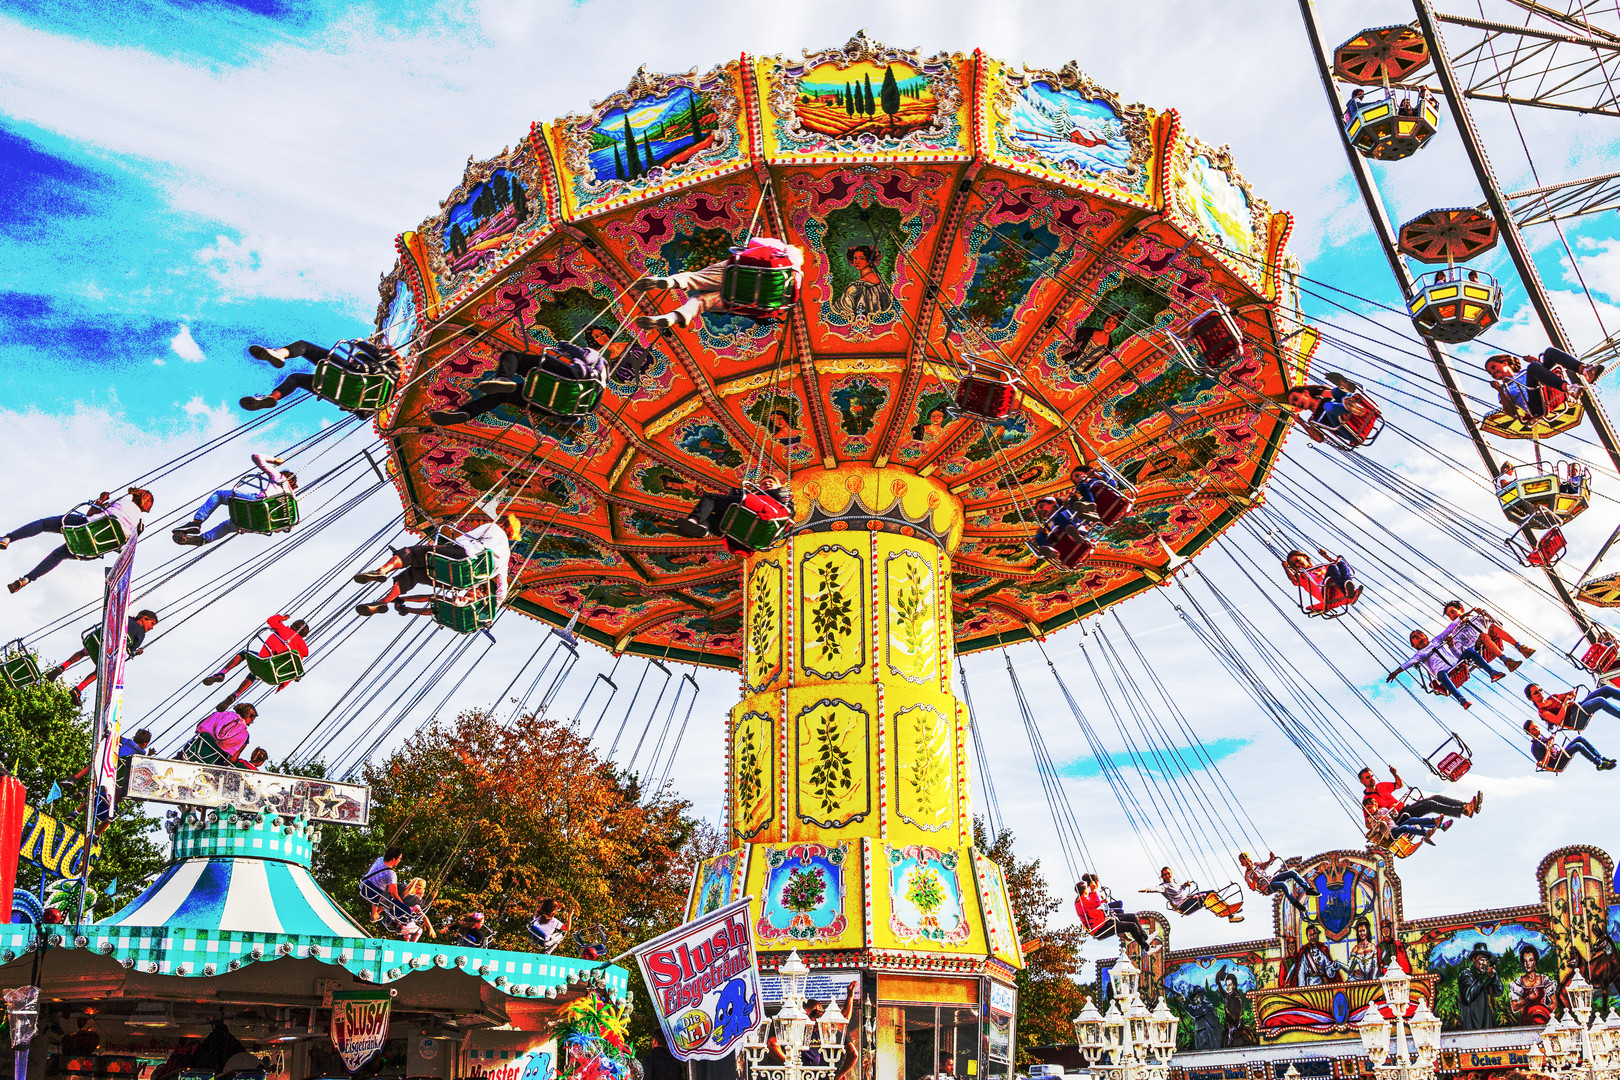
(754,524)
(1601,656)
(1543,553)
(1112,506)
(1073,548)
(1451,760)
(1319,596)
(988,391)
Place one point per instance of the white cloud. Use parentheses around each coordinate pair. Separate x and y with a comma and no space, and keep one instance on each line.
(185,346)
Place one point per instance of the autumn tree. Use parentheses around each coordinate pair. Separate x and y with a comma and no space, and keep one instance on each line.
(496,815)
(1048,996)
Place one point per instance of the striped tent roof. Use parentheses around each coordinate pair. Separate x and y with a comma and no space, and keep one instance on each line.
(251,894)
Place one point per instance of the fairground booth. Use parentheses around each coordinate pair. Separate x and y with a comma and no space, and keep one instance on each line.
(234,948)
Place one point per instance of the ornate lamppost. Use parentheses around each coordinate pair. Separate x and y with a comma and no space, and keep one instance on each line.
(1129,1043)
(1401,1040)
(1585,1046)
(794,1036)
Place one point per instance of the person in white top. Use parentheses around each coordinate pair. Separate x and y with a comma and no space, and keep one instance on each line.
(127,510)
(409,566)
(549,927)
(253,488)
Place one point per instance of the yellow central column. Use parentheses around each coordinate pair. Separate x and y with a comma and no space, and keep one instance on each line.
(847,776)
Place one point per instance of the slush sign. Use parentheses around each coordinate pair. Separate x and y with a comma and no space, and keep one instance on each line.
(704,980)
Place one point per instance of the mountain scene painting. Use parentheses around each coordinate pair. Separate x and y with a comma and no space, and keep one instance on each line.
(481,224)
(667,130)
(893,100)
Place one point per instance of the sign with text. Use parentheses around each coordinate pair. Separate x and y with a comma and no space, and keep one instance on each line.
(704,982)
(186,783)
(52,846)
(359,1024)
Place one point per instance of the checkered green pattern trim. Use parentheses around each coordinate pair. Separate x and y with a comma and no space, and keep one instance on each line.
(161,950)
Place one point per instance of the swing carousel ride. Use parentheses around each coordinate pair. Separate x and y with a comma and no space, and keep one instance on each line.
(828,371)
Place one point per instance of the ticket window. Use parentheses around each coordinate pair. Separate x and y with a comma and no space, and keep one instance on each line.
(939,1042)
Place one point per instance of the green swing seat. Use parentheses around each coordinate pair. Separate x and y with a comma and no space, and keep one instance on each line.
(91,640)
(277,669)
(561,396)
(460,572)
(278,513)
(756,523)
(759,291)
(205,750)
(466,613)
(96,535)
(352,390)
(19,666)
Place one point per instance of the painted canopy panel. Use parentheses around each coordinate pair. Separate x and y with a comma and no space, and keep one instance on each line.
(966,208)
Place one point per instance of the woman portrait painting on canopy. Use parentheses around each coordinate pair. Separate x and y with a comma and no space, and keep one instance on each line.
(868,294)
(1531,995)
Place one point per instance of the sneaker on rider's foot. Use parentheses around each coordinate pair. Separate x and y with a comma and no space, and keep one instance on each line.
(273,357)
(448,417)
(251,404)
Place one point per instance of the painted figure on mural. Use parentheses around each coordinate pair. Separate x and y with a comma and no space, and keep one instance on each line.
(1233,1003)
(1090,345)
(1206,1018)
(1532,995)
(1315,966)
(1363,965)
(1478,987)
(868,294)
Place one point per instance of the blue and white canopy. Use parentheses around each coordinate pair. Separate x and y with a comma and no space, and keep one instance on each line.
(238,894)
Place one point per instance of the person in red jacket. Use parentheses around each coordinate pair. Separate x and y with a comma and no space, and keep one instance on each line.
(1099,918)
(284,637)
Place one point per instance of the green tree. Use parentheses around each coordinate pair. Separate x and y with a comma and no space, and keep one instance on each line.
(692,116)
(496,815)
(632,160)
(890,95)
(1048,996)
(849,100)
(44,739)
(870,108)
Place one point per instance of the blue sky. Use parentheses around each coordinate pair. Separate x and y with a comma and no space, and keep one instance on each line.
(185,179)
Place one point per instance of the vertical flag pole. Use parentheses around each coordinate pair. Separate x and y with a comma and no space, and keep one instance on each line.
(108,716)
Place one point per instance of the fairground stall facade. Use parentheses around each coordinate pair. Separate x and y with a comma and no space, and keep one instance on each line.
(1494,978)
(234,947)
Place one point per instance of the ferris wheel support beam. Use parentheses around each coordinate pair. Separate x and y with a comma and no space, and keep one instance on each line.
(1386,239)
(1529,275)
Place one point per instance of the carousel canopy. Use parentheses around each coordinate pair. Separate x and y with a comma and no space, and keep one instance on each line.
(949,207)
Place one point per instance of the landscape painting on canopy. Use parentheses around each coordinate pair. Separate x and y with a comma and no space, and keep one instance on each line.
(1066,128)
(664,130)
(893,100)
(481,223)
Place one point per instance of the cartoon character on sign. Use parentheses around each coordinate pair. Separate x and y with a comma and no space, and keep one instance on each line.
(733,1013)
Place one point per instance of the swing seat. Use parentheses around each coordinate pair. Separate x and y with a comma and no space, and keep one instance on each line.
(989,390)
(1542,496)
(1320,597)
(93,537)
(561,395)
(91,641)
(759,286)
(1211,343)
(1451,760)
(756,523)
(1563,412)
(1446,307)
(1363,422)
(274,514)
(1544,553)
(19,667)
(205,750)
(459,571)
(277,669)
(464,612)
(1073,548)
(1600,657)
(1600,591)
(1112,506)
(354,391)
(1224,902)
(1403,846)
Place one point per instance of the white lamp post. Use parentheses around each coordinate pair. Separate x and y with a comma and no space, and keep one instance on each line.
(794,1035)
(1400,1047)
(1585,1046)
(1129,1043)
